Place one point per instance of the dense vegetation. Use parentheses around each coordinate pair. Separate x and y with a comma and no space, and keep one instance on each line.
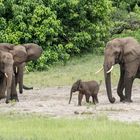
(65,28)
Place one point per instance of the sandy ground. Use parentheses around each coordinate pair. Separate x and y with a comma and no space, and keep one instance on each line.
(54,102)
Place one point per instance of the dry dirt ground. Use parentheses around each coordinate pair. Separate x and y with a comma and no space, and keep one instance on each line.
(54,102)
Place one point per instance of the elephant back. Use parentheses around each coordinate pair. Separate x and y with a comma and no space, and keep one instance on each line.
(6,47)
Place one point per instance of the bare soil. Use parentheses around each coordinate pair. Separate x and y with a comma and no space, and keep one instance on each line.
(53,101)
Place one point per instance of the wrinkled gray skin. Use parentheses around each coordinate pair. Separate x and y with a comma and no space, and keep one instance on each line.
(34,51)
(6,66)
(126,53)
(19,72)
(11,56)
(20,54)
(89,88)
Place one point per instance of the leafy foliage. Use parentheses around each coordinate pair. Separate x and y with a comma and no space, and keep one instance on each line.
(66,27)
(126,16)
(62,27)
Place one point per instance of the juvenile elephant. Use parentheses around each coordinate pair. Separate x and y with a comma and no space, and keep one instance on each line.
(89,88)
(126,53)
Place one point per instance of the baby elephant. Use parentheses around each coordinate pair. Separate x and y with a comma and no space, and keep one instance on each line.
(89,88)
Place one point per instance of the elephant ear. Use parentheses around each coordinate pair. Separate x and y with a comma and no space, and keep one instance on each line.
(33,50)
(19,54)
(131,50)
(79,83)
(113,47)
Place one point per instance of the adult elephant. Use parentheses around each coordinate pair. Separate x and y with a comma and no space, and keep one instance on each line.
(6,73)
(34,51)
(20,55)
(126,53)
(10,56)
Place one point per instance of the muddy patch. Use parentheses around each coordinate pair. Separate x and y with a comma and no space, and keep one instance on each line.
(54,102)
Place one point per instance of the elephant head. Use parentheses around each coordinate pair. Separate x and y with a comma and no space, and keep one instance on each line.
(18,51)
(34,51)
(118,51)
(75,87)
(22,53)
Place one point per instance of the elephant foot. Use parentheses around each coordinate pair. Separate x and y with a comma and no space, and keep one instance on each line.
(21,91)
(127,100)
(7,101)
(122,98)
(15,98)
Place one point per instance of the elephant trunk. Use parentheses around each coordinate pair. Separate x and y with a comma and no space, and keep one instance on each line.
(70,96)
(27,88)
(108,84)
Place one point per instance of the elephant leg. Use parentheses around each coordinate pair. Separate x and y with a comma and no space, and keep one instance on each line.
(128,89)
(20,77)
(80,96)
(2,89)
(130,73)
(87,98)
(120,87)
(93,100)
(16,75)
(13,90)
(8,85)
(2,85)
(96,98)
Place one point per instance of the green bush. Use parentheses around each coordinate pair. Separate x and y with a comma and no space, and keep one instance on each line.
(126,16)
(62,27)
(85,23)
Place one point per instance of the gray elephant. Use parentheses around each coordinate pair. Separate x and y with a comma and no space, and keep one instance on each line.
(6,70)
(19,55)
(89,88)
(10,56)
(34,51)
(126,53)
(19,72)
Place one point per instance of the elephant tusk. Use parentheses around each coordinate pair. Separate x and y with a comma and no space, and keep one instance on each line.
(6,75)
(110,70)
(99,70)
